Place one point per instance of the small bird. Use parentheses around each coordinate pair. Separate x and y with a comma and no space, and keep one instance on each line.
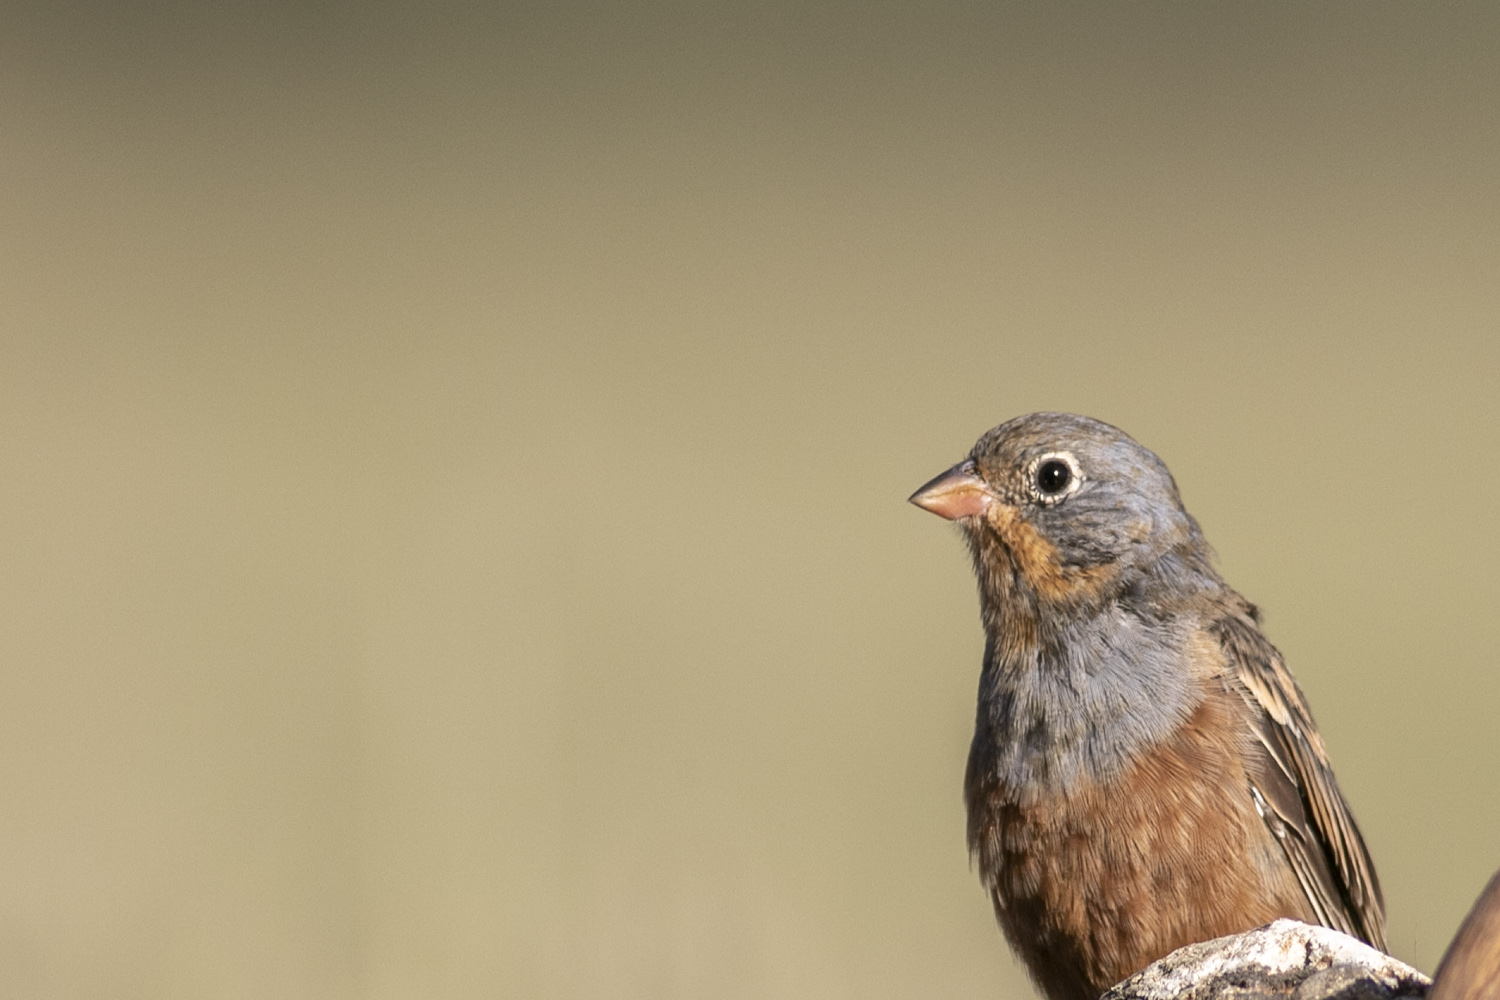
(1145,773)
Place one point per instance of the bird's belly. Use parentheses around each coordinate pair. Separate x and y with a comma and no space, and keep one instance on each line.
(1094,883)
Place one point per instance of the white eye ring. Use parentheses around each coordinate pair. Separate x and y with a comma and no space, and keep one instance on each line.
(1068,486)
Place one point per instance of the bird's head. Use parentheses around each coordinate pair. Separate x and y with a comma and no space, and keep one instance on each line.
(1066,506)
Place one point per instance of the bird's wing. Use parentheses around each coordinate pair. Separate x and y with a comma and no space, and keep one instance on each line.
(1296,792)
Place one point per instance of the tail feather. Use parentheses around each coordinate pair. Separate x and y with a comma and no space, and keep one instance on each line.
(1470,969)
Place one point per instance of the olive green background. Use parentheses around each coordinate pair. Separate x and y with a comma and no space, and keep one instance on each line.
(453,462)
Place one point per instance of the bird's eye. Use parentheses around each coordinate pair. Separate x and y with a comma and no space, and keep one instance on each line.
(1055,476)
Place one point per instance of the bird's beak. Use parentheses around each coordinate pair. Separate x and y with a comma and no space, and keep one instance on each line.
(957,493)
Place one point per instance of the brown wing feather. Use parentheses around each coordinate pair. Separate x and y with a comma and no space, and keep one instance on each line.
(1296,790)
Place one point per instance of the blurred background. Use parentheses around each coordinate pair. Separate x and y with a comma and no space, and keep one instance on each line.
(453,463)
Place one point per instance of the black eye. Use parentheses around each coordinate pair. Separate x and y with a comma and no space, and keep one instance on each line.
(1053,476)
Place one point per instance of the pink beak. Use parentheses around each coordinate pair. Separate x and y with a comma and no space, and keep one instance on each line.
(957,493)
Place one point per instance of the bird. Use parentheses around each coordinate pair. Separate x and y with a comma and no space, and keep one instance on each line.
(1145,772)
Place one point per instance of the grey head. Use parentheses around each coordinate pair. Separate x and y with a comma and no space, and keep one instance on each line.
(1078,509)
